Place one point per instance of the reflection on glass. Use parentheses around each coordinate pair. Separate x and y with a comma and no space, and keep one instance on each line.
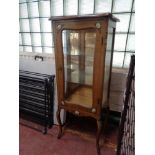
(78,49)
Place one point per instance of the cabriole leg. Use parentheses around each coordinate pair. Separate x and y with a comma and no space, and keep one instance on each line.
(99,128)
(59,122)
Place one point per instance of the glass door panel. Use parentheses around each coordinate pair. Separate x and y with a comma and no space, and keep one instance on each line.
(90,38)
(78,50)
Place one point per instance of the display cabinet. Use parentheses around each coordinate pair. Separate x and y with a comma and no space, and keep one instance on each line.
(83,56)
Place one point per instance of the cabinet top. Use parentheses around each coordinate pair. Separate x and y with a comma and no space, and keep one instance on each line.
(89,16)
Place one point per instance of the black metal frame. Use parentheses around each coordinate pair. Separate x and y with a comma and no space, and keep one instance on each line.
(126,136)
(36,98)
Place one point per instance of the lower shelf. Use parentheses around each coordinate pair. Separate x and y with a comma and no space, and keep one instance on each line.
(81,96)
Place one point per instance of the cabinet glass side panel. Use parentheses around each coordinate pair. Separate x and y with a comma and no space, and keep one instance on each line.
(78,51)
(107,65)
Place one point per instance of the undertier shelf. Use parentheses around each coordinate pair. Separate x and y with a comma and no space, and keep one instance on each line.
(81,96)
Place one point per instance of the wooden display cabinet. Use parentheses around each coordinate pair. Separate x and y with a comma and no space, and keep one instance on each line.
(83,56)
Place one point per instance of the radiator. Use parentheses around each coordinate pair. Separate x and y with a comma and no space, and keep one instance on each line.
(36,95)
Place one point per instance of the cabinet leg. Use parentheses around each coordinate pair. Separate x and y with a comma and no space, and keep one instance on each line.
(45,131)
(99,128)
(59,122)
(106,120)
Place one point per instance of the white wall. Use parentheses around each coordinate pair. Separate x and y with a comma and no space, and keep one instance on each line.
(46,67)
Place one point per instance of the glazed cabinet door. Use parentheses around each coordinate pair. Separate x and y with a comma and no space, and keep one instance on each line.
(78,54)
(78,59)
